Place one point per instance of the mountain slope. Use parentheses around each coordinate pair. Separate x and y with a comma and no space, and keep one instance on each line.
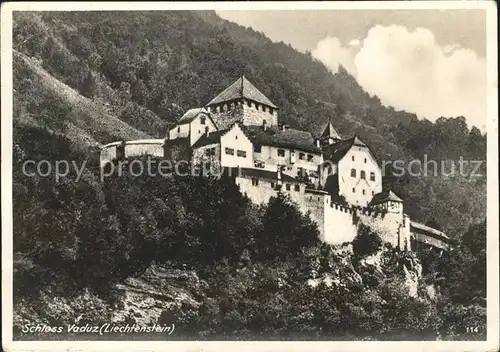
(151,66)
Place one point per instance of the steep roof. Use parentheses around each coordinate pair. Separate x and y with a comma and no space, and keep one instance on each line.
(337,151)
(289,138)
(190,115)
(329,132)
(429,230)
(242,88)
(383,197)
(211,138)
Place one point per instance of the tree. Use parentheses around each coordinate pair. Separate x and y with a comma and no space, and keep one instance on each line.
(366,242)
(286,231)
(88,87)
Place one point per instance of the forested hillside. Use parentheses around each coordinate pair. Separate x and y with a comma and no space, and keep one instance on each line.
(96,77)
(145,69)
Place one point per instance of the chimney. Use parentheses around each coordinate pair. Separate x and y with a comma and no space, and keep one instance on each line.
(264,125)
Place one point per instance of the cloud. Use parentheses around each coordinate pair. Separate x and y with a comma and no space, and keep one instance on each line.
(409,71)
(331,52)
(354,42)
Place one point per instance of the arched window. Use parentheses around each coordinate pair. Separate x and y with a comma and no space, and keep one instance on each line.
(353,172)
(363,175)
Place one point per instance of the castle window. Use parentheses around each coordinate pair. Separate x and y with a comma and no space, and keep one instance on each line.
(256,106)
(257,148)
(309,157)
(271,111)
(281,152)
(297,188)
(365,160)
(202,120)
(373,193)
(287,186)
(372,176)
(354,190)
(241,153)
(364,192)
(229,151)
(178,129)
(272,184)
(353,172)
(264,108)
(249,103)
(363,175)
(301,156)
(353,158)
(255,182)
(259,164)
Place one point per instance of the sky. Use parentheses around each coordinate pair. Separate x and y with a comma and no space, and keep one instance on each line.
(429,62)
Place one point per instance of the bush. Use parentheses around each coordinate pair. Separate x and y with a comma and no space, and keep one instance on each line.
(366,242)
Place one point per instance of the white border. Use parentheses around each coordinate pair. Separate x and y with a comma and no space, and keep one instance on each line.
(492,343)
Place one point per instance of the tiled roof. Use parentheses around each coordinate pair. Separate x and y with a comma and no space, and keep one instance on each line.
(329,132)
(336,151)
(383,197)
(290,138)
(212,138)
(190,115)
(242,88)
(429,230)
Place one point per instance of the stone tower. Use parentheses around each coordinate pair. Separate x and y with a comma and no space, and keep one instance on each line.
(242,102)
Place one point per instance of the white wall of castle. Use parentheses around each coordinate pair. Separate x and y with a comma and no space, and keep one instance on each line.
(153,147)
(242,149)
(356,190)
(194,129)
(179,131)
(291,159)
(337,224)
(198,127)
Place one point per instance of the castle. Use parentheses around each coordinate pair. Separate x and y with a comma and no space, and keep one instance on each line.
(337,181)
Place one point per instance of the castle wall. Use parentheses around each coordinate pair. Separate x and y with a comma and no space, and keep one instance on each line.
(180,131)
(224,116)
(393,228)
(146,147)
(242,148)
(210,153)
(153,147)
(269,155)
(339,225)
(352,188)
(255,114)
(198,127)
(108,153)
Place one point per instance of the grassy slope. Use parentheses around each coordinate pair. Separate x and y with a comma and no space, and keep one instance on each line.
(84,121)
